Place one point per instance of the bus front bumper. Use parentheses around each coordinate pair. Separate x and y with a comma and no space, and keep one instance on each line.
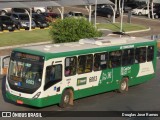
(26,101)
(39,102)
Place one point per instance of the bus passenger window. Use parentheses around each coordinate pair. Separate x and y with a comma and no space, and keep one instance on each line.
(140,55)
(127,57)
(70,66)
(89,63)
(114,59)
(85,63)
(100,61)
(150,53)
(53,75)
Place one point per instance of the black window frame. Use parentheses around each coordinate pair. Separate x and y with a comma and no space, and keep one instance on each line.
(130,60)
(84,64)
(99,61)
(149,54)
(112,62)
(75,67)
(140,56)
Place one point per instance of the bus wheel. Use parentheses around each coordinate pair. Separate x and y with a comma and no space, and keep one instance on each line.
(123,87)
(67,98)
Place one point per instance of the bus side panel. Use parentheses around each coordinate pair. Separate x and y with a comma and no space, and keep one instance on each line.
(141,73)
(134,73)
(109,80)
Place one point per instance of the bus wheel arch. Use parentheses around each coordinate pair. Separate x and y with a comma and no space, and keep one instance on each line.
(67,97)
(123,85)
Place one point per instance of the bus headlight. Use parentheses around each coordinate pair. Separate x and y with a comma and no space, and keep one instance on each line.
(37,95)
(4,25)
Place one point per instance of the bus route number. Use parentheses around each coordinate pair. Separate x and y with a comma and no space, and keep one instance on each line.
(92,79)
(31,82)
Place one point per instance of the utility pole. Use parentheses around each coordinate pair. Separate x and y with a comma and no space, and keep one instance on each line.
(95,14)
(122,17)
(114,10)
(152,9)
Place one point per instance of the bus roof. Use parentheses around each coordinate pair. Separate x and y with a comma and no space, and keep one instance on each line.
(83,44)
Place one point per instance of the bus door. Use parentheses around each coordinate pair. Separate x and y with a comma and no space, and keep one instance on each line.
(102,67)
(127,69)
(115,68)
(53,77)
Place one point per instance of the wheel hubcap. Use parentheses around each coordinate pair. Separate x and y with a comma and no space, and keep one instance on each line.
(123,85)
(66,99)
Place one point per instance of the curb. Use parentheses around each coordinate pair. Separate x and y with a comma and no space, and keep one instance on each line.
(105,29)
(146,18)
(139,31)
(22,30)
(129,31)
(22,45)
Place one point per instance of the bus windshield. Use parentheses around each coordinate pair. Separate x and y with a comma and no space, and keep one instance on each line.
(25,72)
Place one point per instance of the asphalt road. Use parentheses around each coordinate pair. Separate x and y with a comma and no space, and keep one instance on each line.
(143,97)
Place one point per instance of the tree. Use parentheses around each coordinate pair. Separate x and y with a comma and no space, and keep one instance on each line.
(71,30)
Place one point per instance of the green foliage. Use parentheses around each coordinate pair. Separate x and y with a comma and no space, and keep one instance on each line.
(71,30)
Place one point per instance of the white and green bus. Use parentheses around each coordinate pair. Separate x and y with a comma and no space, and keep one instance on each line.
(49,74)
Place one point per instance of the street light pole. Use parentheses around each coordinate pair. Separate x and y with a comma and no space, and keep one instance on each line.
(95,14)
(122,16)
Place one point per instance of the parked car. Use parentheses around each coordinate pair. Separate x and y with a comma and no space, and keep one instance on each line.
(8,11)
(75,14)
(105,12)
(128,6)
(39,20)
(6,23)
(156,13)
(102,5)
(50,16)
(22,20)
(39,10)
(140,10)
(20,10)
(5,11)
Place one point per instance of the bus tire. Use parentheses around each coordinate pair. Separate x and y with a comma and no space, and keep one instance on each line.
(123,86)
(67,98)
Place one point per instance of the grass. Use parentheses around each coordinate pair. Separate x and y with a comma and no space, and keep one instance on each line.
(116,27)
(24,37)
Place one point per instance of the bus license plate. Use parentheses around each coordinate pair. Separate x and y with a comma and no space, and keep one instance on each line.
(9,28)
(19,101)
